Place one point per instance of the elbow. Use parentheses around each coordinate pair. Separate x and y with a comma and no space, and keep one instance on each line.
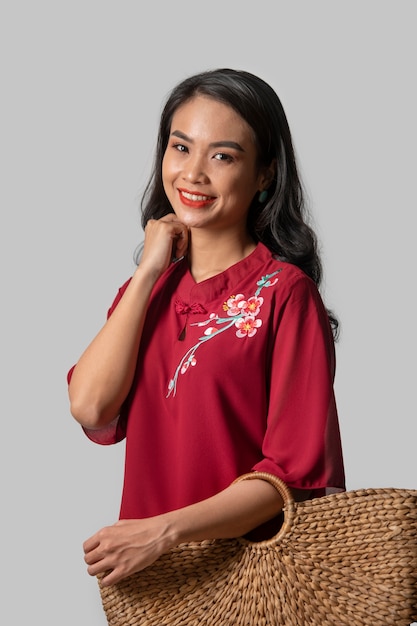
(90,415)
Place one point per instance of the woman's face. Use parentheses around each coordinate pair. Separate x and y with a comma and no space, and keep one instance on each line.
(209,167)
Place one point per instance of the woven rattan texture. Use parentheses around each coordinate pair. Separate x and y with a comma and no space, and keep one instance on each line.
(348,558)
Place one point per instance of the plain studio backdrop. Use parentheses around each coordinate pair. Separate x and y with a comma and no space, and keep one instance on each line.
(82,88)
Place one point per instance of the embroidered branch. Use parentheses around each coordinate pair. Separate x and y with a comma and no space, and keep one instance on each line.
(241,313)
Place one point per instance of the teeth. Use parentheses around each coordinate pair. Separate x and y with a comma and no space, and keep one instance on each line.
(193,197)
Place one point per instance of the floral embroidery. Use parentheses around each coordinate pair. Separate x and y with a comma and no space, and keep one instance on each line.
(247,326)
(187,364)
(241,314)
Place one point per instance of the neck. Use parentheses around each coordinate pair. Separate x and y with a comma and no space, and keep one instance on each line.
(210,255)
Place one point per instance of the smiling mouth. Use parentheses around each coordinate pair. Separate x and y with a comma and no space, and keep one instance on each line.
(195,199)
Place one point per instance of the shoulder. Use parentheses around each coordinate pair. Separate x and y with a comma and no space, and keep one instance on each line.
(295,297)
(289,278)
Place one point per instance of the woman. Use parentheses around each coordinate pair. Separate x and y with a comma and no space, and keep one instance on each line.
(217,357)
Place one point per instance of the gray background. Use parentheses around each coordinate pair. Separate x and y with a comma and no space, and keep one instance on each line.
(82,87)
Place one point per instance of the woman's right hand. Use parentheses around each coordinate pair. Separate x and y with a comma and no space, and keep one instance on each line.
(165,239)
(98,388)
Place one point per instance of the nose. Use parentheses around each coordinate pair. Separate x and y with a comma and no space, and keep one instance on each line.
(194,169)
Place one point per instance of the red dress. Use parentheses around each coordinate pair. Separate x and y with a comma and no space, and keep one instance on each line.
(234,374)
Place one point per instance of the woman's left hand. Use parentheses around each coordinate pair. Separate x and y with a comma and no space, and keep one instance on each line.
(126,547)
(131,545)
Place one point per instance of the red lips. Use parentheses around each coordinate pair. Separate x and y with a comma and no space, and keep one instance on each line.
(195,200)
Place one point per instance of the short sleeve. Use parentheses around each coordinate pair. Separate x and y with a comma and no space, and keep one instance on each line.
(302,441)
(116,430)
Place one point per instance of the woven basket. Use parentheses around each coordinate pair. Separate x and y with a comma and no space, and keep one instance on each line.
(348,558)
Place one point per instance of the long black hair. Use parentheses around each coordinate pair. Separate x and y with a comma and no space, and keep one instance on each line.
(281,223)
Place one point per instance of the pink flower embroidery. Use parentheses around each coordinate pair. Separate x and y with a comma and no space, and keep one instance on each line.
(187,364)
(233,305)
(253,305)
(210,330)
(247,326)
(212,317)
(271,283)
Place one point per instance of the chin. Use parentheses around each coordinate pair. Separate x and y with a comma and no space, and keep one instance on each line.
(194,218)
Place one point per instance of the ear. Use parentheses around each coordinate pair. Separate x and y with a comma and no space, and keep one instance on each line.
(267,175)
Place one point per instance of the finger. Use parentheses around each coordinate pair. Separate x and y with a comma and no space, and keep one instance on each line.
(110,579)
(181,243)
(100,568)
(172,219)
(115,575)
(91,544)
(99,562)
(112,570)
(93,557)
(166,230)
(169,217)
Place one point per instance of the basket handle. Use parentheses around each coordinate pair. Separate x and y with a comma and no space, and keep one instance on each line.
(288,508)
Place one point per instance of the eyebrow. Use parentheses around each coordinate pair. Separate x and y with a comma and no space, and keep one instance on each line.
(215,144)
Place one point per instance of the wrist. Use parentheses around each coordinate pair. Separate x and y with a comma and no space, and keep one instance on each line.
(146,277)
(171,533)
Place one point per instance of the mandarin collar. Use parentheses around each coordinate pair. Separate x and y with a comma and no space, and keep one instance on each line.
(210,289)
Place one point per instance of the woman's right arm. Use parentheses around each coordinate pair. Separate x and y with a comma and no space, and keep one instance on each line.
(104,373)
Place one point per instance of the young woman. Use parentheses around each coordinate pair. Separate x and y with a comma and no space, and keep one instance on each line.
(217,357)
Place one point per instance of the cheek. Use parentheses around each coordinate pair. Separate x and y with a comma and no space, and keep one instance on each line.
(164,167)
(170,170)
(240,186)
(166,175)
(229,181)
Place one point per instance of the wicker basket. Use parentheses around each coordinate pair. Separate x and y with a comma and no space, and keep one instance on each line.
(348,558)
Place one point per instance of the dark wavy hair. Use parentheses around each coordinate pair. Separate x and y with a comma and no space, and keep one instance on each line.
(281,223)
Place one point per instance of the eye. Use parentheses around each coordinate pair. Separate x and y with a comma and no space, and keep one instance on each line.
(222,156)
(180,147)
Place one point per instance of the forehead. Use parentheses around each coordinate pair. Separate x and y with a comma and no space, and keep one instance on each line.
(204,117)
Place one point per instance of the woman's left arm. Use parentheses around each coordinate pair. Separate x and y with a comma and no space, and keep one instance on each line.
(131,545)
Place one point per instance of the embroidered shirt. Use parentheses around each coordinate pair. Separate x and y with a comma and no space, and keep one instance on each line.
(234,374)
